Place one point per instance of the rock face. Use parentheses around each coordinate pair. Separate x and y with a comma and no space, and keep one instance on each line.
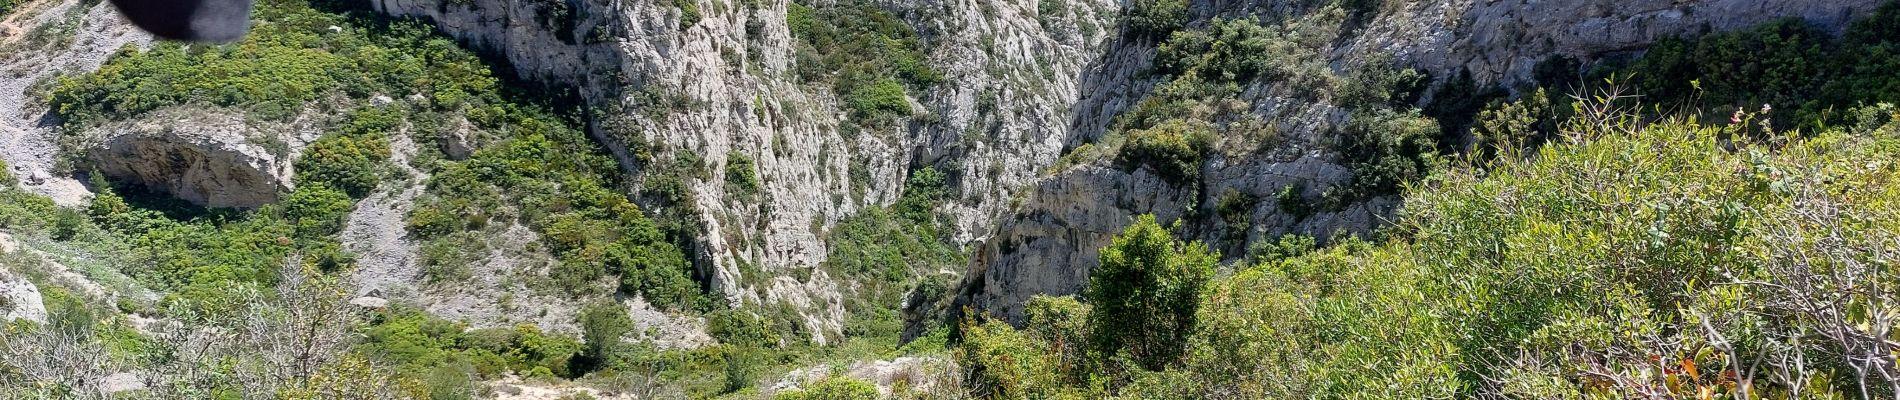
(724,85)
(1501,41)
(208,158)
(20,299)
(1027,81)
(1049,244)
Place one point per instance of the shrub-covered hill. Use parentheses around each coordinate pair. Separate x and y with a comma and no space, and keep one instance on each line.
(1632,260)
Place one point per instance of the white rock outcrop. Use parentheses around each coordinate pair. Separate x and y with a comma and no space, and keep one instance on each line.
(207,157)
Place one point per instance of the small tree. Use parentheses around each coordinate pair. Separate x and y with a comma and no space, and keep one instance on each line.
(602,325)
(1145,294)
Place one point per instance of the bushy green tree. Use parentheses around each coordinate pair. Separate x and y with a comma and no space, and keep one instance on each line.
(1385,149)
(833,388)
(1155,18)
(316,211)
(1175,149)
(1145,294)
(602,326)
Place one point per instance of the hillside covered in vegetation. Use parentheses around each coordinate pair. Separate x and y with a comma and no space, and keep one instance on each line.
(861,200)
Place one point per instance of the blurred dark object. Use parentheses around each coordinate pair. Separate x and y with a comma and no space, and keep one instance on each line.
(190,20)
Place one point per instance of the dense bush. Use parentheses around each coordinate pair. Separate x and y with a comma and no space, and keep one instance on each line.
(742,176)
(1508,128)
(1241,50)
(352,159)
(1046,362)
(889,251)
(1145,294)
(1650,260)
(1791,64)
(1155,18)
(1173,148)
(833,388)
(549,176)
(868,56)
(1385,149)
(420,344)
(602,325)
(279,68)
(316,211)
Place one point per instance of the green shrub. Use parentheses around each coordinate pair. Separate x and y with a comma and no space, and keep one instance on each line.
(868,55)
(1266,252)
(1003,363)
(1507,128)
(1174,149)
(833,388)
(280,68)
(741,328)
(742,176)
(602,325)
(1791,64)
(419,344)
(354,165)
(1385,149)
(1292,201)
(1236,212)
(689,13)
(317,211)
(881,98)
(1145,293)
(1155,18)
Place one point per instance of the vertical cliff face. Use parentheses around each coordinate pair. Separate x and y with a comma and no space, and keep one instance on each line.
(1024,83)
(714,80)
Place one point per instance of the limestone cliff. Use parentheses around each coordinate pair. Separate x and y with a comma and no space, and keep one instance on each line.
(722,83)
(1048,245)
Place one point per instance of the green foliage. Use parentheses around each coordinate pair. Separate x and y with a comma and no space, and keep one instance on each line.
(549,176)
(1292,201)
(1236,212)
(888,252)
(1173,148)
(602,326)
(316,211)
(1508,128)
(868,55)
(1534,278)
(1790,64)
(742,176)
(1289,246)
(1338,323)
(879,98)
(1385,149)
(689,13)
(1155,18)
(1774,63)
(741,328)
(1145,294)
(278,69)
(1003,363)
(833,388)
(426,346)
(353,157)
(1241,50)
